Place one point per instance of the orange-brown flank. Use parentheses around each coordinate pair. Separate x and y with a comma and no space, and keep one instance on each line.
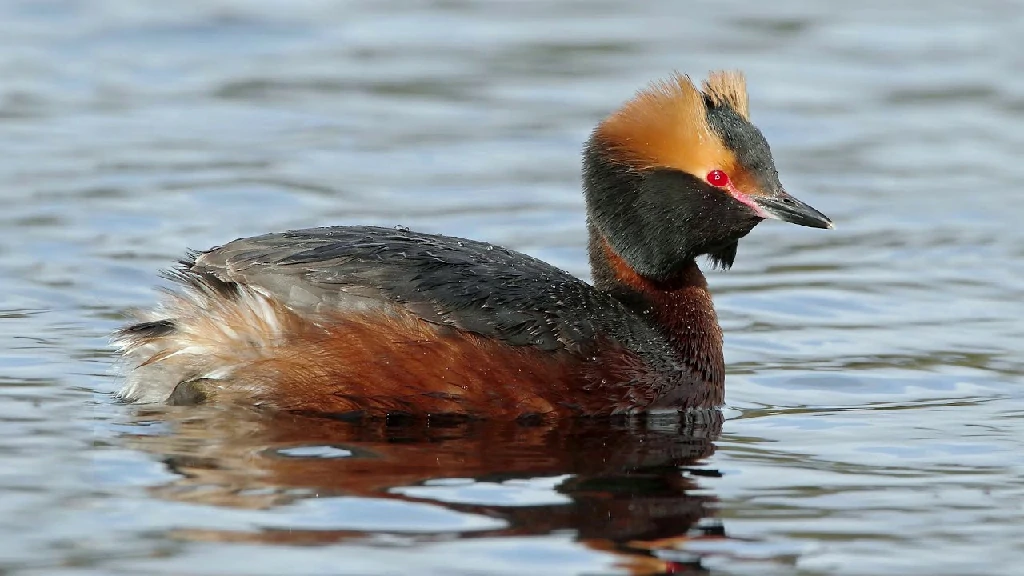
(383,364)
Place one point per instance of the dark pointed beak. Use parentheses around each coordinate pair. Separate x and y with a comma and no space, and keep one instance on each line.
(784,207)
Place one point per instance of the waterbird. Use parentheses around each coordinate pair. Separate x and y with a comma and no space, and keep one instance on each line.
(378,322)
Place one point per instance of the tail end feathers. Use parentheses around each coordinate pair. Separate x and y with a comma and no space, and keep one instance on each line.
(204,331)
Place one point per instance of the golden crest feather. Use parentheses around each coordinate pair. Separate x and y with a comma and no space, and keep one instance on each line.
(729,87)
(666,125)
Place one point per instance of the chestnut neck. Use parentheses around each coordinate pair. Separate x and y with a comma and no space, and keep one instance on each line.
(680,308)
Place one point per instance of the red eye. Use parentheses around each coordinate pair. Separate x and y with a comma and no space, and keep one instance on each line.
(718,178)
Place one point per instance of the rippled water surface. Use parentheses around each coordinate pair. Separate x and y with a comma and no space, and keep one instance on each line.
(875,422)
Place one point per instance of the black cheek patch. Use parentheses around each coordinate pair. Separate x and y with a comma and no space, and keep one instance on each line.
(660,220)
(703,220)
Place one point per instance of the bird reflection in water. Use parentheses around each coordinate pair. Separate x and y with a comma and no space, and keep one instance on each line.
(629,488)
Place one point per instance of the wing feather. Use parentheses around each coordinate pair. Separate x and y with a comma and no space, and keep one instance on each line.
(465,284)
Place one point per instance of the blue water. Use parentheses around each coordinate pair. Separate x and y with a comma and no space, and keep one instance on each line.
(874,420)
